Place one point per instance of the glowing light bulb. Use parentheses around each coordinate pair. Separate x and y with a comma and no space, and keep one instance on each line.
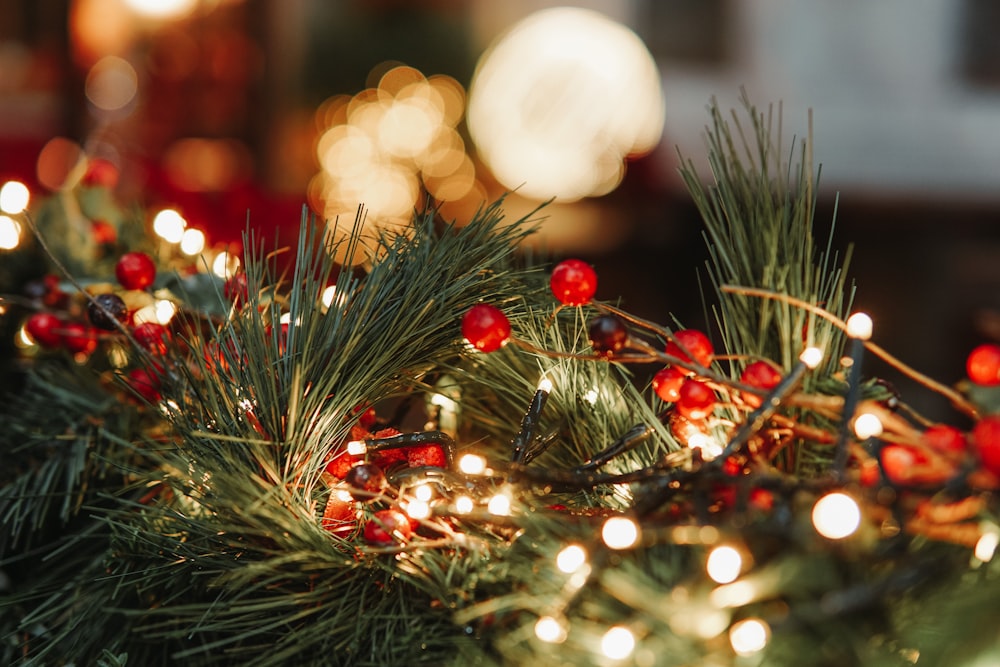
(724,564)
(448,405)
(169,225)
(620,532)
(859,325)
(14,197)
(591,396)
(749,636)
(464,504)
(472,464)
(986,546)
(499,505)
(571,558)
(423,492)
(836,516)
(225,265)
(165,311)
(162,9)
(618,643)
(710,447)
(344,495)
(545,385)
(329,294)
(550,630)
(811,356)
(357,448)
(867,425)
(418,509)
(192,242)
(10,233)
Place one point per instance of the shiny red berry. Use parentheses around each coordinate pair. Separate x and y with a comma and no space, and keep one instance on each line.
(986,438)
(696,399)
(762,375)
(152,336)
(573,282)
(104,232)
(135,270)
(608,334)
(691,344)
(945,438)
(983,364)
(44,328)
(386,527)
(667,383)
(898,461)
(485,327)
(79,338)
(145,384)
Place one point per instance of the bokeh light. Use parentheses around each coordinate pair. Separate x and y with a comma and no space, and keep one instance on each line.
(14,197)
(620,532)
(618,643)
(60,162)
(111,84)
(561,100)
(749,636)
(550,630)
(192,241)
(225,265)
(724,564)
(836,516)
(571,558)
(169,225)
(162,9)
(10,233)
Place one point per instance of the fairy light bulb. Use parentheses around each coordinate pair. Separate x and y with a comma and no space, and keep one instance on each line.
(344,495)
(618,643)
(724,564)
(591,396)
(710,448)
(418,509)
(749,636)
(192,241)
(10,233)
(14,197)
(986,546)
(499,505)
(357,448)
(867,425)
(423,492)
(329,294)
(225,265)
(620,532)
(571,558)
(859,325)
(472,464)
(811,356)
(545,385)
(550,630)
(464,504)
(836,516)
(169,225)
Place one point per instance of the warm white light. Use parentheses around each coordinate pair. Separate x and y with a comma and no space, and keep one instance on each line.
(225,265)
(859,325)
(724,564)
(986,546)
(357,448)
(192,241)
(749,636)
(14,197)
(591,396)
(571,558)
(499,505)
(10,233)
(736,594)
(867,425)
(618,643)
(165,311)
(811,356)
(550,630)
(710,447)
(162,9)
(344,495)
(169,225)
(418,509)
(445,403)
(620,532)
(464,504)
(836,516)
(329,294)
(472,464)
(558,103)
(111,84)
(423,492)
(545,385)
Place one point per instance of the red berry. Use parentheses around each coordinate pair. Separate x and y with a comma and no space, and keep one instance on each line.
(983,364)
(608,334)
(573,282)
(152,336)
(366,481)
(898,462)
(691,343)
(367,417)
(79,338)
(135,270)
(100,173)
(696,399)
(426,455)
(45,329)
(762,375)
(945,439)
(485,327)
(732,466)
(761,499)
(667,383)
(986,438)
(869,473)
(145,384)
(386,527)
(104,232)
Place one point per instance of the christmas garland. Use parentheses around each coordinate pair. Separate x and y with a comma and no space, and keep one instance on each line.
(454,458)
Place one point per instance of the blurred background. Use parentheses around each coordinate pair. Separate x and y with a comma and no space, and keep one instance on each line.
(229,109)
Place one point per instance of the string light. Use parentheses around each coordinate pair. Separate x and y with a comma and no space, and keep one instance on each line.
(357,448)
(811,357)
(14,197)
(225,265)
(620,532)
(571,558)
(10,233)
(464,504)
(418,509)
(710,448)
(836,516)
(545,385)
(169,225)
(859,325)
(423,492)
(550,630)
(499,505)
(472,464)
(618,643)
(591,396)
(986,546)
(867,425)
(724,564)
(192,242)
(749,636)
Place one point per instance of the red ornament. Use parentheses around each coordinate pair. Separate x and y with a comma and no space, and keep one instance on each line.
(983,365)
(667,383)
(152,336)
(986,438)
(386,527)
(945,439)
(135,270)
(79,338)
(426,455)
(366,481)
(104,232)
(691,344)
(485,327)
(573,282)
(762,375)
(608,334)
(145,384)
(44,328)
(696,399)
